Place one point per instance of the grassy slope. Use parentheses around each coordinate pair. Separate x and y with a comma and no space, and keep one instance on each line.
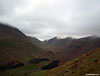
(38,73)
(30,69)
(89,63)
(15,46)
(70,48)
(20,71)
(19,50)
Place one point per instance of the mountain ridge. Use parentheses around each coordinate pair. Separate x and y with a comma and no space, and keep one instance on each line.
(15,45)
(69,48)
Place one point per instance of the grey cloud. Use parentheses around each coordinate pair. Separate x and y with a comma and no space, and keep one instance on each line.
(47,18)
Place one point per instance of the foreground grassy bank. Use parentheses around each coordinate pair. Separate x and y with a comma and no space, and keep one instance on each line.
(87,64)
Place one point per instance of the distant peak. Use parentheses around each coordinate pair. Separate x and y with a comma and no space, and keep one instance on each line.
(54,38)
(92,37)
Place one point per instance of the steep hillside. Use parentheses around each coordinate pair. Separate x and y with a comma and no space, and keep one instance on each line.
(87,64)
(15,46)
(70,48)
(36,41)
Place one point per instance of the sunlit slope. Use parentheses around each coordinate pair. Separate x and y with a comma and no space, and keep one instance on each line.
(87,64)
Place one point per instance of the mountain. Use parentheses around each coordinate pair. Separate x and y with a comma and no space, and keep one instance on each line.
(69,48)
(35,41)
(21,55)
(16,47)
(82,66)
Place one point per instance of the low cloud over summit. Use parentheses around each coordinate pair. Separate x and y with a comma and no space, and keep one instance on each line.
(48,18)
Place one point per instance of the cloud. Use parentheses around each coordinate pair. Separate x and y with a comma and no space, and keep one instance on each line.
(48,18)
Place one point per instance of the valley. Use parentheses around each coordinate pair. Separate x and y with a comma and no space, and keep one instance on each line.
(22,55)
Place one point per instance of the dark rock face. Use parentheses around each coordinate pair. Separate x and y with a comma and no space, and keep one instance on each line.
(36,61)
(53,64)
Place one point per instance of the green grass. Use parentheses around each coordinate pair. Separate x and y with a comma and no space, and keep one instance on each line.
(15,72)
(38,73)
(20,71)
(30,69)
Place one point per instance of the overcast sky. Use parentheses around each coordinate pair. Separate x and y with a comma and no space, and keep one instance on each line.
(45,19)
